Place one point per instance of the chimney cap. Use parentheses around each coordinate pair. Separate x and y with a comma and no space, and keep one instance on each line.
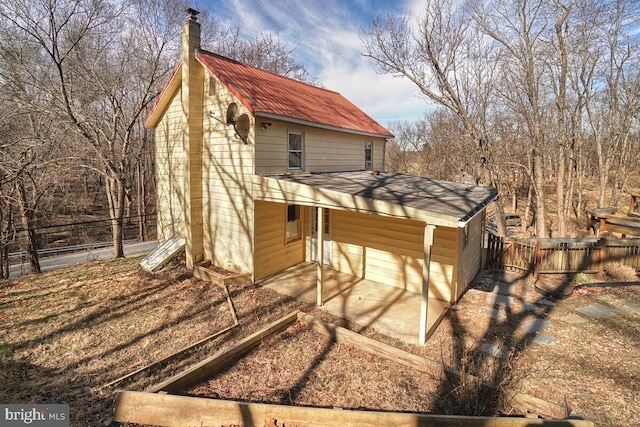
(192,14)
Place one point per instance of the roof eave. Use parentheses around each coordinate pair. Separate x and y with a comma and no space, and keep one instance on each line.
(477,210)
(287,119)
(164,98)
(265,188)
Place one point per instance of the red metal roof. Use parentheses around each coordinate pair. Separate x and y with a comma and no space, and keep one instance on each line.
(271,94)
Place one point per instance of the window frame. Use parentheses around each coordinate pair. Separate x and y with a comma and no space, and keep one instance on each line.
(368,152)
(295,222)
(300,151)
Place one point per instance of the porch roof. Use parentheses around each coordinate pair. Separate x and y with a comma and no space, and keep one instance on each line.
(434,201)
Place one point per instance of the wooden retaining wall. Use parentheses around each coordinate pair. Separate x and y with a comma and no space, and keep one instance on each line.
(587,255)
(157,406)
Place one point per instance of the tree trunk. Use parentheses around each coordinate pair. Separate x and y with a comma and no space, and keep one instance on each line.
(141,206)
(500,222)
(115,196)
(4,262)
(26,215)
(540,213)
(560,193)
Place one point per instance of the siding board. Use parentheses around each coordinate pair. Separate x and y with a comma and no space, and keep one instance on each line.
(226,185)
(272,253)
(324,150)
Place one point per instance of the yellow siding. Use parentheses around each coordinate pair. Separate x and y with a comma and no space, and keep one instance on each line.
(227,168)
(324,150)
(273,254)
(170,171)
(471,258)
(390,249)
(444,259)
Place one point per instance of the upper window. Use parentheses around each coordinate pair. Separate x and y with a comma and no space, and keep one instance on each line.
(296,150)
(368,156)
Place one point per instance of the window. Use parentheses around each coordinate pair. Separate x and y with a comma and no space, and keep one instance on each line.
(293,223)
(212,86)
(368,156)
(295,147)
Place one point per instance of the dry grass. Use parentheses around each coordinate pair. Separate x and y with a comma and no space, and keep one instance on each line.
(591,367)
(620,272)
(68,333)
(302,367)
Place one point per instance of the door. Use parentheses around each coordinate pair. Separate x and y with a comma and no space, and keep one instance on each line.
(326,235)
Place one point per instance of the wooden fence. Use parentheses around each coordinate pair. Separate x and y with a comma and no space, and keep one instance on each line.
(588,255)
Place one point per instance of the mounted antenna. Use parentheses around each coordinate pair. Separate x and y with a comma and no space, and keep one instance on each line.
(240,124)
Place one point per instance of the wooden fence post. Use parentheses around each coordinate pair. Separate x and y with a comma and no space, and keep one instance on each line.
(537,260)
(599,256)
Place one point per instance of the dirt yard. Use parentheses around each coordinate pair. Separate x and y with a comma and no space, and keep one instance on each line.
(68,333)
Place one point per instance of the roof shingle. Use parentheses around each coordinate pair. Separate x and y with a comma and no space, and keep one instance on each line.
(456,200)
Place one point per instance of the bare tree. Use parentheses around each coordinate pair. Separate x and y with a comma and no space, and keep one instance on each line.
(29,160)
(406,152)
(450,63)
(100,68)
(611,102)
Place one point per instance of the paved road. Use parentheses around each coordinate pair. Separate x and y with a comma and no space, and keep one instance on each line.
(52,263)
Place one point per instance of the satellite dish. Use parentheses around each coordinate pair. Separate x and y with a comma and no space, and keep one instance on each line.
(232,110)
(242,127)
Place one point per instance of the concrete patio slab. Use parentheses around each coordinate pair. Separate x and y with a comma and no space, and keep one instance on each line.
(631,305)
(544,340)
(500,300)
(573,319)
(530,326)
(503,288)
(598,310)
(391,311)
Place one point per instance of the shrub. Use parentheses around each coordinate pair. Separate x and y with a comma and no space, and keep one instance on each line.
(621,272)
(580,279)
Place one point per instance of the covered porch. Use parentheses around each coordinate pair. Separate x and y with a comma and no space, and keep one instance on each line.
(389,310)
(389,251)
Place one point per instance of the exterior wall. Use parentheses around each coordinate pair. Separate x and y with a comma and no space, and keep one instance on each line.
(382,249)
(272,252)
(443,272)
(227,168)
(170,171)
(390,251)
(471,258)
(324,150)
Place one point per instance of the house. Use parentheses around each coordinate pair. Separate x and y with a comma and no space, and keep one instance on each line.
(259,173)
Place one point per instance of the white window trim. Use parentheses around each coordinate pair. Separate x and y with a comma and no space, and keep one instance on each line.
(368,164)
(293,229)
(302,159)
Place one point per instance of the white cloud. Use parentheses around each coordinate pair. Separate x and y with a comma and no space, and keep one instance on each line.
(383,97)
(326,38)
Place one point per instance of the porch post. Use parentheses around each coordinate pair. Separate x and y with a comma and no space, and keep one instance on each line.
(319,255)
(428,241)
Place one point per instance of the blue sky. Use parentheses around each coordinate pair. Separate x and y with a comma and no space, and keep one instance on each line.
(326,38)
